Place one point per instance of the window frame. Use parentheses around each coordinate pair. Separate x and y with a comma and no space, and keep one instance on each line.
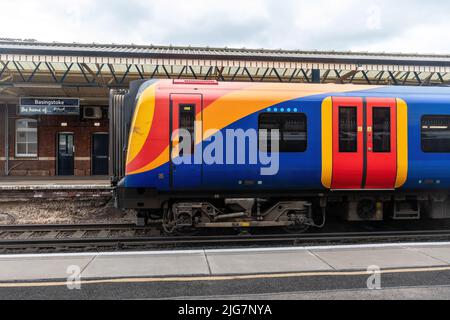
(340,131)
(422,130)
(27,143)
(389,113)
(192,112)
(286,114)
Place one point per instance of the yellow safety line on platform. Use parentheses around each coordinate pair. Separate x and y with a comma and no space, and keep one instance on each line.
(223,278)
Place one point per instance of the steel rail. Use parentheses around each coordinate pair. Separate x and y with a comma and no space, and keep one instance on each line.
(63,227)
(159,242)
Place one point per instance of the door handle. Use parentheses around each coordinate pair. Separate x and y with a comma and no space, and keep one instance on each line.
(370,149)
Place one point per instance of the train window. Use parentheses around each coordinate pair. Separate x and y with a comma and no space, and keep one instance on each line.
(187,122)
(348,129)
(292,128)
(293,132)
(267,123)
(381,129)
(436,134)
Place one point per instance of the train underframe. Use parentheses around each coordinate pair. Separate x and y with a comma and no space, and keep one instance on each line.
(185,213)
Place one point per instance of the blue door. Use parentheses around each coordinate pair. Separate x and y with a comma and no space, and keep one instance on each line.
(185,141)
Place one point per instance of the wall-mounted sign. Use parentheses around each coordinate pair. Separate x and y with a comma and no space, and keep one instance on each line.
(49,106)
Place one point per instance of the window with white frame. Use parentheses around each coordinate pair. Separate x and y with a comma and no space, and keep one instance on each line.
(26,138)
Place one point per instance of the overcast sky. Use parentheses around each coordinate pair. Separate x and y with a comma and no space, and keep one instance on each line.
(377,25)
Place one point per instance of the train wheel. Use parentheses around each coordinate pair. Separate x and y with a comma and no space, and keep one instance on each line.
(155,215)
(172,228)
(300,223)
(296,229)
(186,232)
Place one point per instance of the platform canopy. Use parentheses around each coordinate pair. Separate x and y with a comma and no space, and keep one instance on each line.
(88,71)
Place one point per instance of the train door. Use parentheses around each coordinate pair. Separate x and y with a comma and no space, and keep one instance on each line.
(186,117)
(100,154)
(364,139)
(381,144)
(348,157)
(66,154)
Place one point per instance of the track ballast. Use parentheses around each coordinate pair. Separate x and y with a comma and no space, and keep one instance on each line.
(92,237)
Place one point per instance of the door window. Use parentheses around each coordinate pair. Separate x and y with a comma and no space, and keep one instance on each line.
(348,129)
(66,144)
(381,130)
(187,123)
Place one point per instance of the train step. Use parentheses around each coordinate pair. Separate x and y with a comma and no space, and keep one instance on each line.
(408,210)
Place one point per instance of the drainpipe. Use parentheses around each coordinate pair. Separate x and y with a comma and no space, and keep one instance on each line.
(7,141)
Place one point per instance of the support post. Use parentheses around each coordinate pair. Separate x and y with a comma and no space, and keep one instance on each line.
(315,76)
(6,140)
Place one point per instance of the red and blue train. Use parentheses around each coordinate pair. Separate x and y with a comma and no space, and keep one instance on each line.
(360,152)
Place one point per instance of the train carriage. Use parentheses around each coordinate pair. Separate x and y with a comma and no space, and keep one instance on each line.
(363,152)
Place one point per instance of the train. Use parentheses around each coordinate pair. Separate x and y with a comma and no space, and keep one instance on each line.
(301,153)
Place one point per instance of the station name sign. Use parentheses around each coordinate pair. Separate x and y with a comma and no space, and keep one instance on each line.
(49,106)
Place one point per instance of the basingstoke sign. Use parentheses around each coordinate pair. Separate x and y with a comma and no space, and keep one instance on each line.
(49,106)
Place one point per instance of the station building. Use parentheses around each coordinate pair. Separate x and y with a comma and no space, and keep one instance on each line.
(54,97)
(48,140)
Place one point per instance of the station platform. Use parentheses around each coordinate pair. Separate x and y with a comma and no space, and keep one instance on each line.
(245,263)
(407,271)
(54,183)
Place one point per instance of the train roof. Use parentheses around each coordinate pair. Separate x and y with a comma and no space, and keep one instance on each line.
(217,85)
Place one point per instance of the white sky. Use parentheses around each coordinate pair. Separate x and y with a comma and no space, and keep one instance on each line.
(358,25)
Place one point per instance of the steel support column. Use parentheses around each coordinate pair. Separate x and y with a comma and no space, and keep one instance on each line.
(315,76)
(6,126)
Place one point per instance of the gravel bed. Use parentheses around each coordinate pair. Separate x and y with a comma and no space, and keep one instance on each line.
(63,212)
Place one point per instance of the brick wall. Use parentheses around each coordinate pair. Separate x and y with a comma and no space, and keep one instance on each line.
(48,129)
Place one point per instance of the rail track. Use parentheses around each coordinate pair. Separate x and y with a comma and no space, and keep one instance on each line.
(92,237)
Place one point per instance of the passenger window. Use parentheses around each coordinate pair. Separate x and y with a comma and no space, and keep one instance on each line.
(292,129)
(293,132)
(381,130)
(436,134)
(187,122)
(267,123)
(348,129)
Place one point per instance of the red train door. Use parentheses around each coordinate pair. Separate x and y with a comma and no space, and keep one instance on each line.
(348,156)
(381,143)
(364,144)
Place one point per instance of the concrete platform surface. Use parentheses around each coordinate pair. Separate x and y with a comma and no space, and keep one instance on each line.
(386,258)
(35,268)
(216,263)
(270,261)
(164,264)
